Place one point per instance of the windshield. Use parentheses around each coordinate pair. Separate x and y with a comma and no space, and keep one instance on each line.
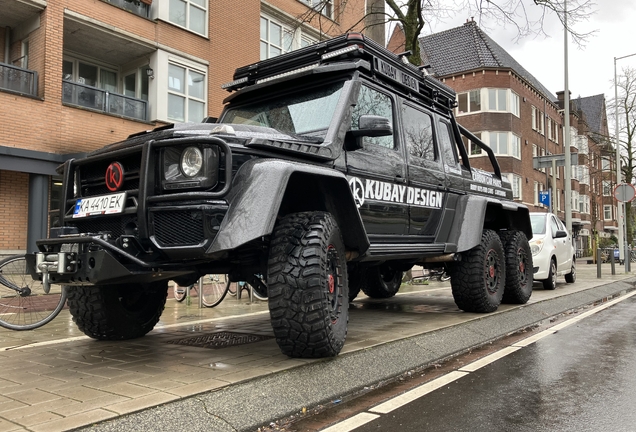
(308,112)
(538,223)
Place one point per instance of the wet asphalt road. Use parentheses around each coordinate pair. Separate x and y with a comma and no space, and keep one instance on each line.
(578,379)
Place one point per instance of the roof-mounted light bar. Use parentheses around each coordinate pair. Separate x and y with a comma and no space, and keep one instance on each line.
(339,52)
(232,84)
(284,74)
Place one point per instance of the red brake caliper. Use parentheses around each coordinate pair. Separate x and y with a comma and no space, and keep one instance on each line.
(332,285)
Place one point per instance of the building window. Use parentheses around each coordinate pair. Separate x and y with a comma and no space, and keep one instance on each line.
(277,38)
(607,188)
(24,60)
(190,14)
(575,201)
(584,204)
(514,103)
(515,182)
(537,120)
(186,94)
(469,102)
(135,83)
(558,199)
(504,143)
(607,212)
(553,128)
(605,163)
(471,148)
(325,7)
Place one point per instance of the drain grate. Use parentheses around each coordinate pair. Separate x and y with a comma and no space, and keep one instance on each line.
(220,340)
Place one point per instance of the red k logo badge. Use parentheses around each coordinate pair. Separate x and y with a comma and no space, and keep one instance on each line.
(114,176)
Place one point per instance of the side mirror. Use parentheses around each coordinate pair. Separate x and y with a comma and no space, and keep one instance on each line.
(369,126)
(372,126)
(560,234)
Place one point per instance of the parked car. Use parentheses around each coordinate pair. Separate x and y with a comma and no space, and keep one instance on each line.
(553,253)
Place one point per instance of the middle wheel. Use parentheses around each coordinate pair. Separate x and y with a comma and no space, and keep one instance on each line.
(478,280)
(382,281)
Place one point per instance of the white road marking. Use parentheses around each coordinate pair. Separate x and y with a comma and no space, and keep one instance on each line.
(484,361)
(417,392)
(352,422)
(424,389)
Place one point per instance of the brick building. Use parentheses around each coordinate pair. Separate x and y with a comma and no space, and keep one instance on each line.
(510,110)
(78,74)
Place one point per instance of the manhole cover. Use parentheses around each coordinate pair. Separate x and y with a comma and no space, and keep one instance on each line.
(219,340)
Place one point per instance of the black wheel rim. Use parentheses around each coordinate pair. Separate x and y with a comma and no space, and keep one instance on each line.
(334,283)
(491,271)
(522,261)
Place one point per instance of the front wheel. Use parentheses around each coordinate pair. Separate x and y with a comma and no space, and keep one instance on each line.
(550,282)
(117,312)
(478,280)
(307,285)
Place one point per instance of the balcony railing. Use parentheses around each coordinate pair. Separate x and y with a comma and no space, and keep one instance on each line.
(18,80)
(102,100)
(135,6)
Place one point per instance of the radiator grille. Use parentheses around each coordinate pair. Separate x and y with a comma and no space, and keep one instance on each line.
(179,227)
(92,176)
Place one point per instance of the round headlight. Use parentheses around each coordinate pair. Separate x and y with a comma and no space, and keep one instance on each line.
(191,161)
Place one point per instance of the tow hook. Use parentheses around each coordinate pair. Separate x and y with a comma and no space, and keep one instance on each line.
(57,263)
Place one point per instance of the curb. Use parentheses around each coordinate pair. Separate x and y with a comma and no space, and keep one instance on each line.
(250,404)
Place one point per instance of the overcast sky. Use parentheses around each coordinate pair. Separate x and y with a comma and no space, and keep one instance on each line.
(591,68)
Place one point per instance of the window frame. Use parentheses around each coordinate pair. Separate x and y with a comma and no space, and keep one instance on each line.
(189,4)
(188,68)
(297,38)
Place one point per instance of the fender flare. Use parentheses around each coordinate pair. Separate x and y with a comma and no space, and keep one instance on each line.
(262,187)
(475,212)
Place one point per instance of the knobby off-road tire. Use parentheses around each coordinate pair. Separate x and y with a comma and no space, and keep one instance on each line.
(550,282)
(382,281)
(518,287)
(478,280)
(116,312)
(307,285)
(571,277)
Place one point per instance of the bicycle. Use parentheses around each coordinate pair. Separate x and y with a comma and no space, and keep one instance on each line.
(26,304)
(212,287)
(257,287)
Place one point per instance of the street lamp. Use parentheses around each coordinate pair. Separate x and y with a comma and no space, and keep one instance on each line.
(620,215)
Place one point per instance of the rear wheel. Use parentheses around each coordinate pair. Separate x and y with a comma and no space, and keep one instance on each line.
(478,280)
(571,277)
(518,267)
(116,312)
(382,281)
(307,285)
(550,282)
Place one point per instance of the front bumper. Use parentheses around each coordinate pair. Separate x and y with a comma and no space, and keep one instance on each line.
(90,260)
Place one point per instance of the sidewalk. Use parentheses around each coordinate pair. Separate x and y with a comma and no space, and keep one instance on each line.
(55,379)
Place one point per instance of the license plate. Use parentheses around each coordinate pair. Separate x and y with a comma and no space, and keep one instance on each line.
(99,205)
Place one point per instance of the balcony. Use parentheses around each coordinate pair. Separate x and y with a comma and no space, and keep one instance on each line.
(101,100)
(18,80)
(135,6)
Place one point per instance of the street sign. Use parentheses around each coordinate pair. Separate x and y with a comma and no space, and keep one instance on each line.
(624,192)
(539,162)
(544,197)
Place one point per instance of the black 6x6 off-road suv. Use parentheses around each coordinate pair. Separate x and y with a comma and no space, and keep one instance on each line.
(332,169)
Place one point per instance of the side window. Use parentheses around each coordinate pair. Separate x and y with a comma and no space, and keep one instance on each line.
(555,226)
(418,133)
(447,144)
(372,102)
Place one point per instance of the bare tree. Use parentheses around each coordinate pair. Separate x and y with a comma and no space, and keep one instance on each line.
(626,85)
(527,16)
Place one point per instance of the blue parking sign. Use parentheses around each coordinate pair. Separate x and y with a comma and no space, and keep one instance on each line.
(544,198)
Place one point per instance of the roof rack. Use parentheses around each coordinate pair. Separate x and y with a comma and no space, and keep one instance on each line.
(385,65)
